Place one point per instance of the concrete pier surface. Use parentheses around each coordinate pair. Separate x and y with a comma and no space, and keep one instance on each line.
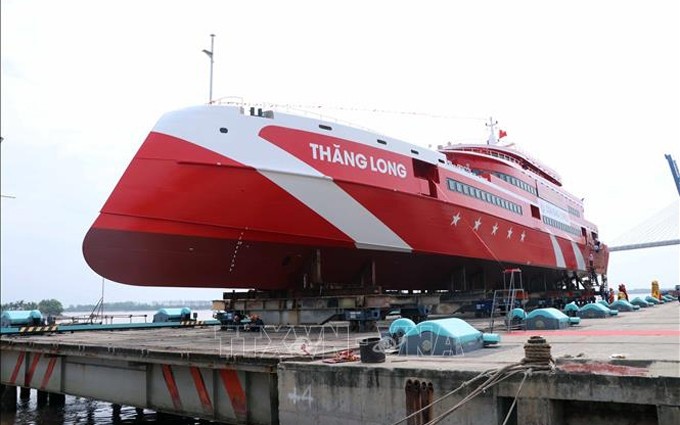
(622,369)
(619,370)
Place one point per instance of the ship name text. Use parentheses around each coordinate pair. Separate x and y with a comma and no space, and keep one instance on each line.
(338,155)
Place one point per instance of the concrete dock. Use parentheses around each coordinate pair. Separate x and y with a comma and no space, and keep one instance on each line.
(618,370)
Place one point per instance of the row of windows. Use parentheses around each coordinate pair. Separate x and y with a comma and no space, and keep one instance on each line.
(562,226)
(485,196)
(574,211)
(516,182)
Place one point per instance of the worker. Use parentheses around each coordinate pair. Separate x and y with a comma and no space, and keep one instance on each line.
(611,296)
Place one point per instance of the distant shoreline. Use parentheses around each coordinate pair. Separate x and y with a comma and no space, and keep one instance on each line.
(125,306)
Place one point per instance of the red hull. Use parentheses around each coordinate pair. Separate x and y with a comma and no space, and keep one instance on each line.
(186,213)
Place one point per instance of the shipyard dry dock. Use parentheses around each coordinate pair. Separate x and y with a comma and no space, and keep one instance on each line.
(618,370)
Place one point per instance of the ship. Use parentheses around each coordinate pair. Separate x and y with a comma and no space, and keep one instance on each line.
(231,196)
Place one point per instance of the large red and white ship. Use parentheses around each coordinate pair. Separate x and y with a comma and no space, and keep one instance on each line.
(232,197)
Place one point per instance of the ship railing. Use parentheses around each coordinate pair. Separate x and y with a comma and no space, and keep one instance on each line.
(292,109)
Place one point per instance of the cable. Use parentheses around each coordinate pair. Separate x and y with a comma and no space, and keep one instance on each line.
(492,381)
(512,406)
(450,393)
(230,100)
(494,377)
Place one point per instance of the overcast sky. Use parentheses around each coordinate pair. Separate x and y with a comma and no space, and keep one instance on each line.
(592,88)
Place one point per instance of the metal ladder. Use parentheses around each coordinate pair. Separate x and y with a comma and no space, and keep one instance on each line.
(507,296)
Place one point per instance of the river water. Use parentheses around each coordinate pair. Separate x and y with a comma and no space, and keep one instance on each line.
(84,411)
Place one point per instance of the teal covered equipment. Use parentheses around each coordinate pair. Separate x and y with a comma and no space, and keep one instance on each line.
(640,302)
(604,303)
(518,314)
(623,305)
(401,327)
(595,311)
(650,299)
(547,318)
(444,337)
(571,309)
(172,315)
(21,318)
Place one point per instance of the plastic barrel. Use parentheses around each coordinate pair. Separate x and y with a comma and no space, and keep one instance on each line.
(371,351)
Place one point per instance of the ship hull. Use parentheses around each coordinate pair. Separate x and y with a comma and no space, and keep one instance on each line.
(258,209)
(160,259)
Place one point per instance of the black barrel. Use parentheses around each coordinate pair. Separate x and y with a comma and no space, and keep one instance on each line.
(371,351)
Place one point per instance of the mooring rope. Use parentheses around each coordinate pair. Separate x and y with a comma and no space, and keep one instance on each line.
(537,359)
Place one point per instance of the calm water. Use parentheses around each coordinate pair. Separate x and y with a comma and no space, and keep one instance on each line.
(80,410)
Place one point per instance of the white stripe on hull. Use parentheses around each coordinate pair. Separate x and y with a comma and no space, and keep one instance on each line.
(580,261)
(319,193)
(334,204)
(559,257)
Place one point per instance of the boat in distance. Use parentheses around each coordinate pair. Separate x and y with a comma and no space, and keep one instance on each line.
(230,197)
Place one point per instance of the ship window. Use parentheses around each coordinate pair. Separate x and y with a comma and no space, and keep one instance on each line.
(413,151)
(515,182)
(382,142)
(224,130)
(562,226)
(483,195)
(325,127)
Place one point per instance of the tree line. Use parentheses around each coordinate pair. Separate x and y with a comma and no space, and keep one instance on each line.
(47,307)
(138,306)
(54,307)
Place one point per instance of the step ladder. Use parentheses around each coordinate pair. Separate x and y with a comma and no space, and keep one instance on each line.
(506,298)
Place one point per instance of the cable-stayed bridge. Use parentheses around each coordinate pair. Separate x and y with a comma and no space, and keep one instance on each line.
(661,229)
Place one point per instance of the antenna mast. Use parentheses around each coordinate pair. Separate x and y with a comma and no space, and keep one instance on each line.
(492,132)
(210,55)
